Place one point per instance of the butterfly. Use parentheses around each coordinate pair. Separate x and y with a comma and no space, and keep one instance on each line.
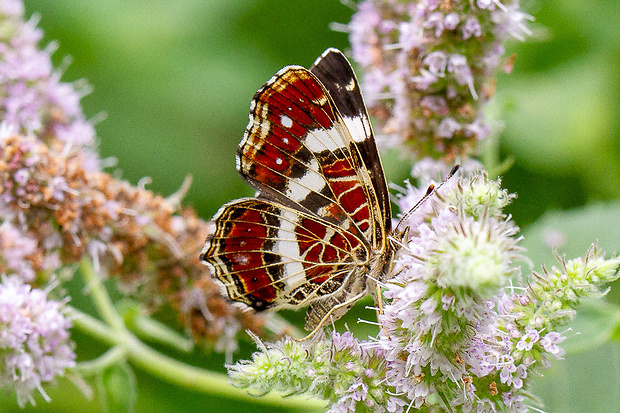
(318,232)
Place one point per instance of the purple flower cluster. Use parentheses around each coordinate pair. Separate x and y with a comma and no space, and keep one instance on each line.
(17,248)
(442,300)
(34,339)
(451,329)
(32,97)
(455,333)
(429,66)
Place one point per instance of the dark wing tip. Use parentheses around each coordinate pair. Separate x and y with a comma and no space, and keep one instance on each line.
(328,51)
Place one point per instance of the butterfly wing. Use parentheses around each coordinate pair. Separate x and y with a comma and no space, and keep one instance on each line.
(267,254)
(335,72)
(313,232)
(298,150)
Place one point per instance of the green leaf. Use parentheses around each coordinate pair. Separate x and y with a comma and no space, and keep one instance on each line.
(596,323)
(117,389)
(589,377)
(587,382)
(576,230)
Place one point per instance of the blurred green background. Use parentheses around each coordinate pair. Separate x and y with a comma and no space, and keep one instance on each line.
(175,78)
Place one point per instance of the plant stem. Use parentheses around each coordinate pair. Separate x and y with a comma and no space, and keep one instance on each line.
(160,365)
(108,358)
(152,330)
(100,296)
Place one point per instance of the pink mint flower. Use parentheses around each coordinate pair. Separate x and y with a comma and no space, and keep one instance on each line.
(34,339)
(32,97)
(446,51)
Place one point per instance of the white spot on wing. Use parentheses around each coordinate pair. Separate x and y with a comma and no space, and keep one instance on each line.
(358,127)
(351,85)
(242,259)
(319,140)
(279,161)
(299,189)
(286,121)
(287,246)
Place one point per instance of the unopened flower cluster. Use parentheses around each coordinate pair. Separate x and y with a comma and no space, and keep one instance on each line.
(429,67)
(339,368)
(455,333)
(55,213)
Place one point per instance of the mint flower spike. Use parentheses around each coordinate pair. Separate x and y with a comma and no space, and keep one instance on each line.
(34,339)
(456,334)
(33,100)
(559,290)
(347,372)
(457,260)
(429,68)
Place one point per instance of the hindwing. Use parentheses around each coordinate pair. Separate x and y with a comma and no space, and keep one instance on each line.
(267,254)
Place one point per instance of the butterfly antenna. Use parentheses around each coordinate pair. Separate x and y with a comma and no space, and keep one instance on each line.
(429,192)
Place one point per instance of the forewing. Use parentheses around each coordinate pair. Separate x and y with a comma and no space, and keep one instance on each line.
(298,150)
(270,255)
(336,74)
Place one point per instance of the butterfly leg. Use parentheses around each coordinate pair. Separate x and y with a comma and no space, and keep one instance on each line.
(380,309)
(329,313)
(379,301)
